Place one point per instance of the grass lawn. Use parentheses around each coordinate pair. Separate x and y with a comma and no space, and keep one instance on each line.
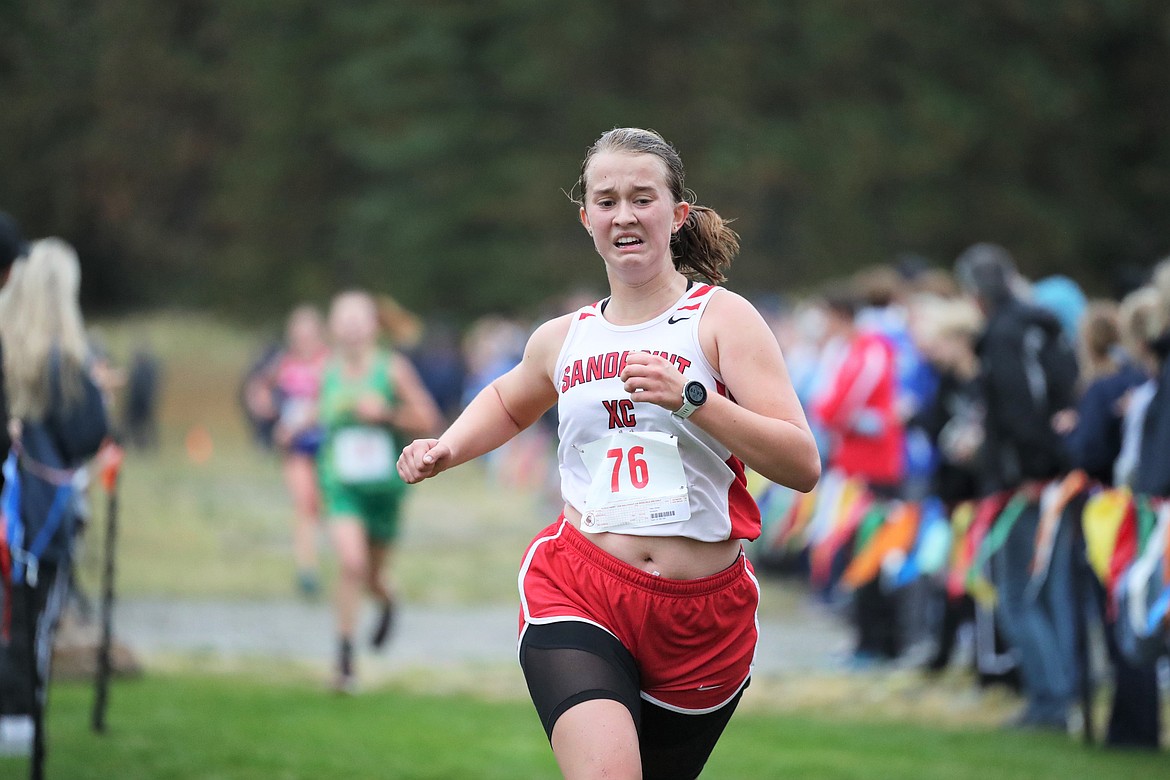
(233,728)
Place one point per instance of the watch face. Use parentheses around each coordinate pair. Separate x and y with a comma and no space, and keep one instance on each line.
(695,393)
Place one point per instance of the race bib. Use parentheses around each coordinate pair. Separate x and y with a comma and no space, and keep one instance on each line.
(363,455)
(636,480)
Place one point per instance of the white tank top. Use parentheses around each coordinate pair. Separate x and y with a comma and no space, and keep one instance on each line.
(633,467)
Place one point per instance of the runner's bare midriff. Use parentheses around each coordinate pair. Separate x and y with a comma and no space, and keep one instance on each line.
(674,557)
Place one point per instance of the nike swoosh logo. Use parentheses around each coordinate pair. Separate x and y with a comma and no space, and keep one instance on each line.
(708,687)
(676,320)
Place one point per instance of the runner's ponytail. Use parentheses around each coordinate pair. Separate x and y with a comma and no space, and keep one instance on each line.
(704,245)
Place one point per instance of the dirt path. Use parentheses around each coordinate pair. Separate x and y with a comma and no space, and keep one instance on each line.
(425,636)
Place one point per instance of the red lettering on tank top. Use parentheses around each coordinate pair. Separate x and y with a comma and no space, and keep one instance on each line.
(610,365)
(593,368)
(621,413)
(609,368)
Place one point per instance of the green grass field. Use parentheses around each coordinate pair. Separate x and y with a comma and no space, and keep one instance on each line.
(218,528)
(199,727)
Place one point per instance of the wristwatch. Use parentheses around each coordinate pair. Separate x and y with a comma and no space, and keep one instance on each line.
(694,395)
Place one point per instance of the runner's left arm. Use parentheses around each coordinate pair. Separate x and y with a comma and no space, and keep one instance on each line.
(505,407)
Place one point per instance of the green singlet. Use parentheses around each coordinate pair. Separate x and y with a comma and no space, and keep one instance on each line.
(357,461)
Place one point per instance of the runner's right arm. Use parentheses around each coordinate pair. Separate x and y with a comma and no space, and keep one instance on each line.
(505,407)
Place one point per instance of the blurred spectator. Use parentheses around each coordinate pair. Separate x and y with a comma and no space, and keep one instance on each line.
(58,422)
(140,406)
(1028,376)
(1151,477)
(1110,376)
(946,332)
(858,409)
(1153,467)
(885,312)
(1142,318)
(1093,432)
(1029,373)
(858,404)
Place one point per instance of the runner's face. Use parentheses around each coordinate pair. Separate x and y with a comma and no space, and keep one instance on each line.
(305,335)
(630,212)
(354,323)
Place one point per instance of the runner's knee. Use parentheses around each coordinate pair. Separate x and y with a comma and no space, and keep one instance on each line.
(597,739)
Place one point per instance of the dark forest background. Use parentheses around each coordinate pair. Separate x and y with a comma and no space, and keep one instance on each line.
(243,155)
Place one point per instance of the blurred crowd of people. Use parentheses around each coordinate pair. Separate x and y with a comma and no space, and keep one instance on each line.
(995,454)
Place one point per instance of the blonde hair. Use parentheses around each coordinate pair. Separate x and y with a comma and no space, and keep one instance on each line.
(1142,316)
(40,318)
(935,318)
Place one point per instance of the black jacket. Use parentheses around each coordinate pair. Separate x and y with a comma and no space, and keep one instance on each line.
(957,404)
(62,440)
(1095,443)
(1028,374)
(1153,468)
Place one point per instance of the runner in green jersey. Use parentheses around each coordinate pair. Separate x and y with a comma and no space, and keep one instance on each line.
(368,395)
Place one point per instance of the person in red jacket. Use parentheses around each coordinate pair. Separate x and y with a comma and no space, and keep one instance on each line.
(858,409)
(858,406)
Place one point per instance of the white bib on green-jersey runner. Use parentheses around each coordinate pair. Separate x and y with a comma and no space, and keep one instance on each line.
(362,455)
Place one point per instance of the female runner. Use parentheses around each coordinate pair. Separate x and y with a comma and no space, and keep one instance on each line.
(368,396)
(638,606)
(296,381)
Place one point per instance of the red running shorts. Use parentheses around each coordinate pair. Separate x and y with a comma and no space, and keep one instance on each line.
(694,640)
